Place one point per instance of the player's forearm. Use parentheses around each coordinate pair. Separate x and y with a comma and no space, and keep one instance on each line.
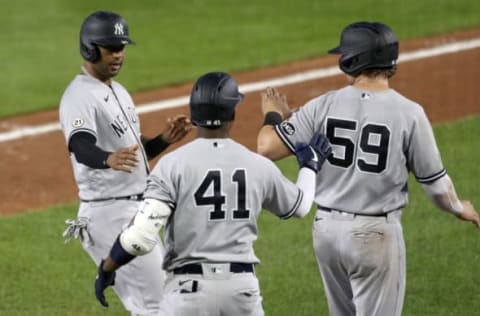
(442,193)
(117,257)
(306,182)
(154,146)
(270,145)
(109,265)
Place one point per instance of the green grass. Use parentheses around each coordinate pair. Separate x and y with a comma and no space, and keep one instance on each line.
(42,276)
(179,40)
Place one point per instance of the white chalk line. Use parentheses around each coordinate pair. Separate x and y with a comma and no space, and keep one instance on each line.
(455,47)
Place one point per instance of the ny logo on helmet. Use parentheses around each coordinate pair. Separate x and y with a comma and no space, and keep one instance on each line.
(118,29)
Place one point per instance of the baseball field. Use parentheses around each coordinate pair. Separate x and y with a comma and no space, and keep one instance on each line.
(260,43)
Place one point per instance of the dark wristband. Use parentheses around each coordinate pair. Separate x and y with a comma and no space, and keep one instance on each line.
(119,255)
(155,146)
(272,118)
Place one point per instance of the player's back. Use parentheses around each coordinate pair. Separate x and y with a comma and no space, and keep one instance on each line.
(218,188)
(377,137)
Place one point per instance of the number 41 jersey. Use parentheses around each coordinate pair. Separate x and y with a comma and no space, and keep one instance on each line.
(216,188)
(377,137)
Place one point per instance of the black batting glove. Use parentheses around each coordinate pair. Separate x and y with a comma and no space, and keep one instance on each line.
(322,147)
(103,280)
(314,154)
(306,157)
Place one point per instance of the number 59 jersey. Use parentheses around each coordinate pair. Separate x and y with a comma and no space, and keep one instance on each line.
(377,137)
(217,188)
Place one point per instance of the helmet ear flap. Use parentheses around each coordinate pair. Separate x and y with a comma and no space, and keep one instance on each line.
(349,65)
(90,54)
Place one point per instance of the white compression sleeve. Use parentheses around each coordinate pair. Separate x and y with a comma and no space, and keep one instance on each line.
(142,235)
(306,182)
(442,193)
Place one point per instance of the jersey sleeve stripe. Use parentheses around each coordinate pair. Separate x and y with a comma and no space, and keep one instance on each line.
(284,139)
(295,206)
(433,177)
(90,131)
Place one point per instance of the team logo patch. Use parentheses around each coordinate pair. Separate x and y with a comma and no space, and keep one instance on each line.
(288,128)
(78,122)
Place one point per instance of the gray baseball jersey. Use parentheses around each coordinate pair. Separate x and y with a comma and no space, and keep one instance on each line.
(108,113)
(217,188)
(377,138)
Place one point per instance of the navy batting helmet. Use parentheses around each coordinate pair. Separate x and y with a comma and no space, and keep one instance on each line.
(102,28)
(213,100)
(366,45)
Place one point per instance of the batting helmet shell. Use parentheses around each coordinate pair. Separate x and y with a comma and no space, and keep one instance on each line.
(102,28)
(366,45)
(213,100)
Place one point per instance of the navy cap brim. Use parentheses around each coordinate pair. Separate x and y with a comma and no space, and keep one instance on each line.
(335,50)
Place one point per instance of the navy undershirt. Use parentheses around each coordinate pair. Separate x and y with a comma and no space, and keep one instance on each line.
(83,146)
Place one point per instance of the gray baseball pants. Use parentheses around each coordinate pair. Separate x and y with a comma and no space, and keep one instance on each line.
(362,262)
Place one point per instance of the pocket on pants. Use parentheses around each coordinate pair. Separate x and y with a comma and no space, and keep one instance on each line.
(371,245)
(183,304)
(249,301)
(320,224)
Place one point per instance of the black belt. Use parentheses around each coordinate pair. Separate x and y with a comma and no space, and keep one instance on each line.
(134,197)
(235,267)
(326,209)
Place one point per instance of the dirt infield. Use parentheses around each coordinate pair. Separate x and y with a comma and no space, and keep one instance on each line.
(36,172)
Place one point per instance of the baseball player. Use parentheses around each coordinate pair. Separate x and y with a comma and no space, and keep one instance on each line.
(110,156)
(377,137)
(209,194)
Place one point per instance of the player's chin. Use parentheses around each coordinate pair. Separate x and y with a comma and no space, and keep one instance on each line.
(114,69)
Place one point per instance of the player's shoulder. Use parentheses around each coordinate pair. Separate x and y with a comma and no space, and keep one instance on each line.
(82,88)
(323,98)
(118,86)
(180,154)
(321,103)
(260,162)
(406,104)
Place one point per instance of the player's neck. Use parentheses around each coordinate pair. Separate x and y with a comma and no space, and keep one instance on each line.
(89,70)
(221,132)
(211,133)
(370,83)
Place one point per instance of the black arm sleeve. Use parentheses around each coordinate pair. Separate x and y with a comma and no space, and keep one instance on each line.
(154,146)
(82,145)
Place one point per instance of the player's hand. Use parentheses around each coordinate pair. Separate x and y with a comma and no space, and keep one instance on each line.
(176,129)
(314,154)
(274,101)
(469,214)
(104,279)
(124,159)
